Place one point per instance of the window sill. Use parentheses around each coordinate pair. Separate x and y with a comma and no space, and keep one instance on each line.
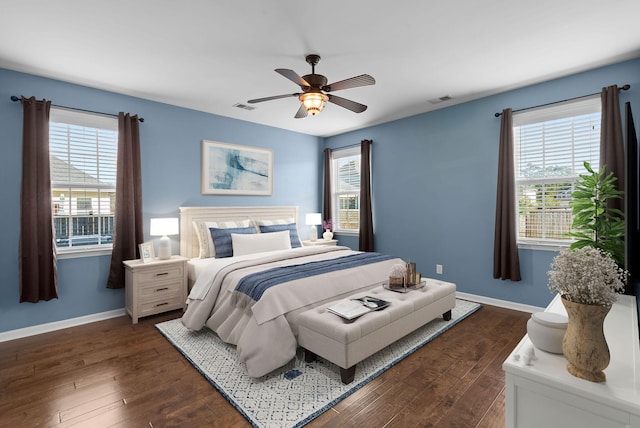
(346,232)
(77,253)
(551,246)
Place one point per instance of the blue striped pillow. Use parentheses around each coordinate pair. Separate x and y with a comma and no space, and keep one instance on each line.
(293,232)
(222,239)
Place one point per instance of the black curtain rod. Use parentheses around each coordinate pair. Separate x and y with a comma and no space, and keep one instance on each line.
(624,88)
(350,145)
(14,98)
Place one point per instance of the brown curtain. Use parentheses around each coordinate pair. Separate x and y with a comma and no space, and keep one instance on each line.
(326,197)
(366,215)
(611,140)
(506,264)
(127,232)
(37,264)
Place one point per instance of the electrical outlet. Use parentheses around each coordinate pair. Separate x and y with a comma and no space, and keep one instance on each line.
(439,269)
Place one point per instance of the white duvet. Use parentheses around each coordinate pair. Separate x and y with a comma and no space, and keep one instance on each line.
(265,332)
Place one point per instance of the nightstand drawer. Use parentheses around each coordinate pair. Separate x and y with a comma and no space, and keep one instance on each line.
(160,290)
(162,305)
(161,273)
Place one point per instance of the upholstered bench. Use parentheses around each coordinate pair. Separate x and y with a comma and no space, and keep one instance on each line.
(346,343)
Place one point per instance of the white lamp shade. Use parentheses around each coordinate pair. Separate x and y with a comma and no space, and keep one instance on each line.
(313,219)
(163,226)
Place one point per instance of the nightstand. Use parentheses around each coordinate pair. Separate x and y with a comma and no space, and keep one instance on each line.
(155,287)
(320,242)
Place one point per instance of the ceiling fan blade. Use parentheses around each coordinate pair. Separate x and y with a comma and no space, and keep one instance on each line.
(275,97)
(302,112)
(352,82)
(348,104)
(293,76)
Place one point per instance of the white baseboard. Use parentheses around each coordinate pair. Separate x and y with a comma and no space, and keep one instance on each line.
(500,303)
(58,325)
(72,322)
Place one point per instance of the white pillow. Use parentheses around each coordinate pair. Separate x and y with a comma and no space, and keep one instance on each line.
(207,249)
(260,242)
(276,221)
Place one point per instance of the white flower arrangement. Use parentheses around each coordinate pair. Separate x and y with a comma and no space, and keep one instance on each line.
(586,275)
(398,271)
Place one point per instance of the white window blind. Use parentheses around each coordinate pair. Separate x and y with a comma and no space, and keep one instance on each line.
(345,185)
(83,154)
(551,145)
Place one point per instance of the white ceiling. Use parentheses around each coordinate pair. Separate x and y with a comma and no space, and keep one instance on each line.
(211,54)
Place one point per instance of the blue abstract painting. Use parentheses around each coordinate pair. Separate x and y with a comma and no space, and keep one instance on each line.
(236,170)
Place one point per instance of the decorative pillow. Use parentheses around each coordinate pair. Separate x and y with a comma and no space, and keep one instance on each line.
(260,242)
(222,239)
(291,227)
(276,221)
(207,249)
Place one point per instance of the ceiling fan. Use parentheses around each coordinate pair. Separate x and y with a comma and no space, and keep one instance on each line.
(315,90)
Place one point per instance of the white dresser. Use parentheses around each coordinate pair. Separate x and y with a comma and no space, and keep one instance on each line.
(544,394)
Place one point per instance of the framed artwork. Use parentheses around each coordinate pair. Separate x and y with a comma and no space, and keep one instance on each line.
(146,252)
(229,169)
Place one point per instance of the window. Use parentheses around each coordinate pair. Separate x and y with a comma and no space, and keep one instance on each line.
(551,145)
(345,190)
(82,153)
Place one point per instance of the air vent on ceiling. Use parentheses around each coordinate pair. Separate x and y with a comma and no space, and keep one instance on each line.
(439,100)
(244,106)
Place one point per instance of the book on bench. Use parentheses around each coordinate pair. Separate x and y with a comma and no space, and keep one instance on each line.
(354,308)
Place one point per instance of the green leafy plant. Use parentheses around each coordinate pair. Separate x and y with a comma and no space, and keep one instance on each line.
(595,224)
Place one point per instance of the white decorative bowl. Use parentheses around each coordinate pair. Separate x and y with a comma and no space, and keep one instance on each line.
(546,331)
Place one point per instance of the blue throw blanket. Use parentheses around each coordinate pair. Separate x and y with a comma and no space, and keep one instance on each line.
(254,285)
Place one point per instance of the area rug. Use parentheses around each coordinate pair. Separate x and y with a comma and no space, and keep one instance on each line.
(298,392)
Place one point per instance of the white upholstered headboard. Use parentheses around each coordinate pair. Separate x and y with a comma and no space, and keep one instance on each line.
(189,246)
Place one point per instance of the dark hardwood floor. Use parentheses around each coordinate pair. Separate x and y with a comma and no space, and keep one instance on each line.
(113,373)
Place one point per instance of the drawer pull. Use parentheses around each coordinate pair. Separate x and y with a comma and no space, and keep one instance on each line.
(163,273)
(162,289)
(162,304)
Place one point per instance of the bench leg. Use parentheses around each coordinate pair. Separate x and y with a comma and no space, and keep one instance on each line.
(309,356)
(347,375)
(447,315)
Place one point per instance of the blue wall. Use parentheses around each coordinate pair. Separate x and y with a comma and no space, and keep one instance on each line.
(434,184)
(170,149)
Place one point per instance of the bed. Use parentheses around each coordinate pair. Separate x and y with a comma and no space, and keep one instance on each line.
(253,299)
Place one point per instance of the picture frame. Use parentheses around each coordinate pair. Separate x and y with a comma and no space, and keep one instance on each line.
(231,169)
(146,252)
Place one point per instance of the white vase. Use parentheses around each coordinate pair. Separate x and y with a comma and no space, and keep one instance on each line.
(327,235)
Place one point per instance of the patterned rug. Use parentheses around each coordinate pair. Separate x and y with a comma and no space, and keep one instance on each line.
(297,392)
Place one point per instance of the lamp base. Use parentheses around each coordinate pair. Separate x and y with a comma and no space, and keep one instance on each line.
(313,234)
(164,248)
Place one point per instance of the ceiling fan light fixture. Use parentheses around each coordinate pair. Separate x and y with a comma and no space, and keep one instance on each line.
(313,86)
(314,102)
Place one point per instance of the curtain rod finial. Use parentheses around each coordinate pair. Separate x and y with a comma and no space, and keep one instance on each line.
(498,114)
(14,98)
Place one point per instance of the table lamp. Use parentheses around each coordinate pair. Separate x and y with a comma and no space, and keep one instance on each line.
(163,227)
(313,219)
